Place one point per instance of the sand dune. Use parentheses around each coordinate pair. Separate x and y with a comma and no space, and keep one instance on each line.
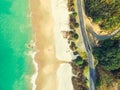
(61,17)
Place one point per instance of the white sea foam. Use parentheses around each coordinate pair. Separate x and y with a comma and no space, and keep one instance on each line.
(34,76)
(61,17)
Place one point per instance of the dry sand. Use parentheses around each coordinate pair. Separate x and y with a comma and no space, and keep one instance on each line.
(64,73)
(61,17)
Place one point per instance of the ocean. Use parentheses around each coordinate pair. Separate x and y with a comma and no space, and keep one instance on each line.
(16,67)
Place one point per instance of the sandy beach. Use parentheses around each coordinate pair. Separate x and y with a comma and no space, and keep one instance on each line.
(47,65)
(64,73)
(47,58)
(61,17)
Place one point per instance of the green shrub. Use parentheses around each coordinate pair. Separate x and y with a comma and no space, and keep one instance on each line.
(79,60)
(74,14)
(76,36)
(76,25)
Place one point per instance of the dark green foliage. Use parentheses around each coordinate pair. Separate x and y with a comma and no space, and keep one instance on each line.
(104,12)
(98,82)
(73,35)
(108,54)
(74,14)
(79,61)
(76,25)
(76,36)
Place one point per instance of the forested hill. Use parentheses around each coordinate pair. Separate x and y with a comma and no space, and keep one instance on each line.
(106,13)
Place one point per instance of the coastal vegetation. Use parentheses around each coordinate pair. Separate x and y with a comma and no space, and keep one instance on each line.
(78,60)
(108,55)
(79,64)
(71,5)
(73,35)
(76,25)
(105,13)
(73,22)
(105,79)
(74,14)
(71,8)
(73,46)
(80,80)
(84,55)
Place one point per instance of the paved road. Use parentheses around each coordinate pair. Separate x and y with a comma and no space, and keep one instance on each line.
(87,44)
(100,37)
(103,37)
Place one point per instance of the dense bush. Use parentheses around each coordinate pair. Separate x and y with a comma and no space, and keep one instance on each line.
(104,12)
(108,54)
(76,25)
(74,14)
(79,61)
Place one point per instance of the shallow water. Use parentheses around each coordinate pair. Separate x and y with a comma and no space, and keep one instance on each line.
(15,33)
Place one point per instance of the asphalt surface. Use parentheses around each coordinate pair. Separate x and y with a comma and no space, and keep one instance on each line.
(87,44)
(102,37)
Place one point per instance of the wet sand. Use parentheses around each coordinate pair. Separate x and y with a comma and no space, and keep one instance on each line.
(42,22)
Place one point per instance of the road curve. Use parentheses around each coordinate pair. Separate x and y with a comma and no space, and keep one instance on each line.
(101,37)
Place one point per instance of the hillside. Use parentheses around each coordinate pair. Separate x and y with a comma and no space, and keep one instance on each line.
(105,13)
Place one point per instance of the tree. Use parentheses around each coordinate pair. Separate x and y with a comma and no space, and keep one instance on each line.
(105,13)
(79,60)
(76,25)
(108,54)
(76,36)
(74,14)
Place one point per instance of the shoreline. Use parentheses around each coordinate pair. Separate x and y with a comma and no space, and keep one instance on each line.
(45,57)
(34,76)
(35,66)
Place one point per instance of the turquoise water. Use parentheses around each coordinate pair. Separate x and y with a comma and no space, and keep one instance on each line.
(15,33)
